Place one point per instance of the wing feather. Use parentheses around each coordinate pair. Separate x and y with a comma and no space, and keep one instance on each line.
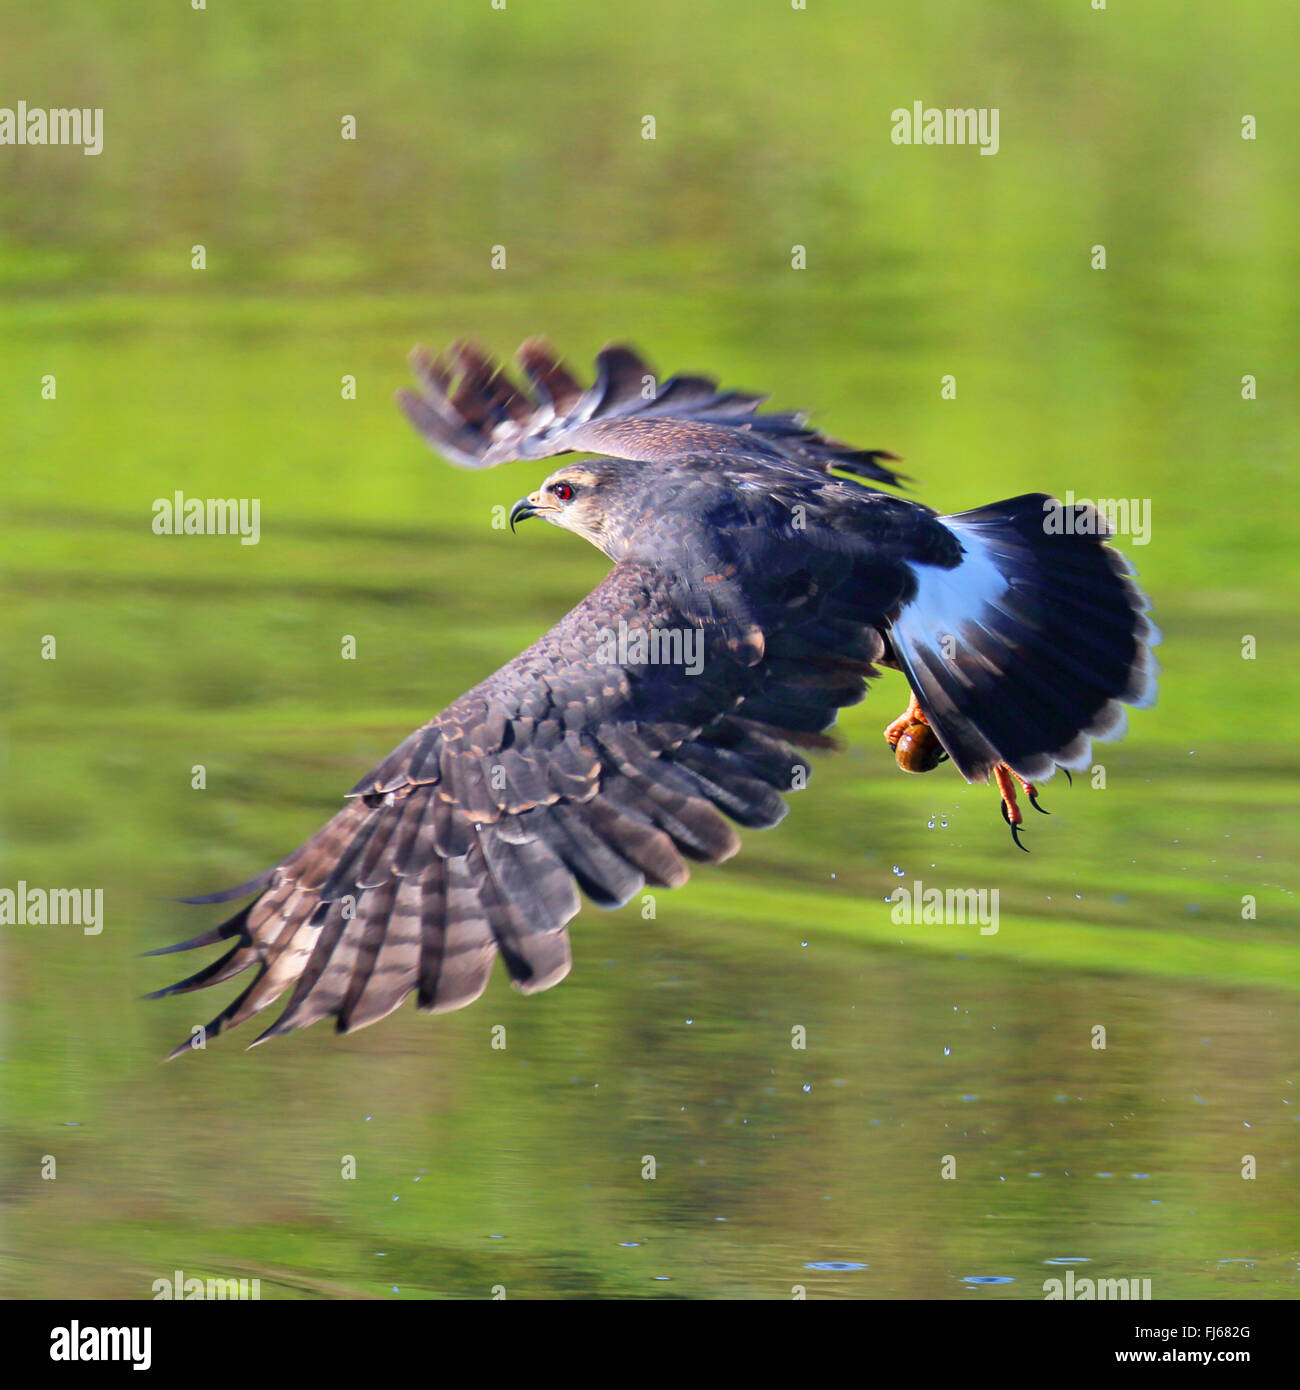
(469,411)
(560,774)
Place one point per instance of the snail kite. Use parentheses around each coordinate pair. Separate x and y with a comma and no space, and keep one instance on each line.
(758,580)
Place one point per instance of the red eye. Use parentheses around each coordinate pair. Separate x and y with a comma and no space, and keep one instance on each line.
(563,491)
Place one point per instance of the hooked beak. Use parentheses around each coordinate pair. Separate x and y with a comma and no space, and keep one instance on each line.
(521,511)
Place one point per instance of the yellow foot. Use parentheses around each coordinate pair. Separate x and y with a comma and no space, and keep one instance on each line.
(1006,780)
(916,747)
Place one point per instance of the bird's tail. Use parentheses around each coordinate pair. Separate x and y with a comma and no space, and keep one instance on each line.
(1030,647)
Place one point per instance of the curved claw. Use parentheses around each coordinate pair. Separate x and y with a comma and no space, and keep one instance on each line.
(1015,828)
(1033,801)
(1068,778)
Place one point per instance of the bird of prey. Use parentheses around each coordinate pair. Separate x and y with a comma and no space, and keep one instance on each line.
(758,580)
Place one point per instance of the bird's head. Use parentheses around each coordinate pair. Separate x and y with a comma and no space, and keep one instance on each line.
(594,499)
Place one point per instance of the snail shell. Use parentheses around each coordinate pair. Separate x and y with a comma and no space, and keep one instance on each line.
(917,749)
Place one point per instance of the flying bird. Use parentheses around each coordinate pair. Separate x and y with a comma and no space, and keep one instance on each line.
(759,578)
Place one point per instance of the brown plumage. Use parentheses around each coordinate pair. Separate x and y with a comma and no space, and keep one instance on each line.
(754,590)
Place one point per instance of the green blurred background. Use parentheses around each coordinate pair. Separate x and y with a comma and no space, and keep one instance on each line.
(522,128)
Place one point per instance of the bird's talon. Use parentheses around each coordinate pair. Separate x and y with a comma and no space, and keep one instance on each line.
(915,744)
(896,728)
(1006,781)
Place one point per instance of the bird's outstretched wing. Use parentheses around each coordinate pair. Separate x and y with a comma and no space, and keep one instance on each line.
(584,763)
(469,410)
